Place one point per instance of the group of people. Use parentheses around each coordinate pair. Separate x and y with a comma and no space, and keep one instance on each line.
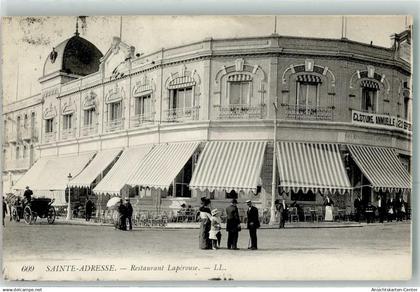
(210,225)
(186,213)
(392,209)
(125,214)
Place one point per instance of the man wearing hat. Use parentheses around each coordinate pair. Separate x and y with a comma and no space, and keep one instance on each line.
(232,225)
(129,210)
(253,223)
(27,195)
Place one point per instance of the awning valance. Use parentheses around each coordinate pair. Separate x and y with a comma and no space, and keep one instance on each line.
(51,173)
(99,163)
(181,82)
(369,84)
(311,167)
(239,78)
(117,176)
(160,167)
(229,165)
(381,167)
(309,78)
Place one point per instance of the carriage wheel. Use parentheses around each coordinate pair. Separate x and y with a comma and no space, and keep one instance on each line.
(27,215)
(51,215)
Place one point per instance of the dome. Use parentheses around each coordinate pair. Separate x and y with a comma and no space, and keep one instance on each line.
(75,55)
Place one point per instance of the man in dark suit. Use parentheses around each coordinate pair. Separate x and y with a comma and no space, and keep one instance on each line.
(281,207)
(232,225)
(129,213)
(27,196)
(357,207)
(253,223)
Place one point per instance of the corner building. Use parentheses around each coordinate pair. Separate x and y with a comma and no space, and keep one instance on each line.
(198,120)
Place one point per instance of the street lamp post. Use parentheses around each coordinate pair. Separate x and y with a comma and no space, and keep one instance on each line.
(68,203)
(274,178)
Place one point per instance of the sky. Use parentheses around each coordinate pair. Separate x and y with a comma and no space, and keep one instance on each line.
(27,41)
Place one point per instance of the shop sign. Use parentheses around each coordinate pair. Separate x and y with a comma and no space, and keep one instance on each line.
(379,121)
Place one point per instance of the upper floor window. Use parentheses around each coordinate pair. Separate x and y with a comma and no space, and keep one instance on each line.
(25,149)
(369,95)
(406,108)
(143,105)
(88,116)
(115,111)
(67,121)
(18,125)
(25,121)
(239,86)
(33,120)
(181,98)
(49,125)
(17,152)
(307,91)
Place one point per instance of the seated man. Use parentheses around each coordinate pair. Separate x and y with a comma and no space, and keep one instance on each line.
(27,196)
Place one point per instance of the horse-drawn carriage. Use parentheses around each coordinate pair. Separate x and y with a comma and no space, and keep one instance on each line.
(39,207)
(30,211)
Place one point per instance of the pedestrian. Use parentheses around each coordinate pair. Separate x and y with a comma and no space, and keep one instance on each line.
(233,225)
(205,224)
(122,213)
(328,203)
(357,207)
(381,208)
(400,208)
(253,223)
(391,209)
(129,210)
(370,212)
(4,209)
(215,235)
(281,207)
(88,209)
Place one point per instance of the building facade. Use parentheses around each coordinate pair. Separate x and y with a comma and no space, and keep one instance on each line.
(321,92)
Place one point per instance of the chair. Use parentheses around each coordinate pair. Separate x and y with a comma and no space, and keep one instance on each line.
(307,214)
(319,214)
(293,214)
(336,214)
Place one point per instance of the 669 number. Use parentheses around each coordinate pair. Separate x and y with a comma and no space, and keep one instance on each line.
(27,268)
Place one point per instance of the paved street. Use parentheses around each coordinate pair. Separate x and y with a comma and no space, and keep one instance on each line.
(368,252)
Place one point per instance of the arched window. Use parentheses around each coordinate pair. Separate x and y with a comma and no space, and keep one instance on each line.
(370,90)
(24,154)
(18,125)
(17,152)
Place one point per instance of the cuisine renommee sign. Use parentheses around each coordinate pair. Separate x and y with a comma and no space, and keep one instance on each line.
(380,121)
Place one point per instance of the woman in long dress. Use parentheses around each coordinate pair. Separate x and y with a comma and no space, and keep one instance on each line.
(205,224)
(328,203)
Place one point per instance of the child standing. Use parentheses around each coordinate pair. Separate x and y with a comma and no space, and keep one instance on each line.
(215,235)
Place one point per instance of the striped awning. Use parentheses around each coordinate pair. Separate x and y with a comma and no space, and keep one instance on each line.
(309,78)
(160,167)
(181,82)
(100,162)
(239,78)
(229,165)
(117,176)
(50,173)
(311,167)
(381,167)
(369,84)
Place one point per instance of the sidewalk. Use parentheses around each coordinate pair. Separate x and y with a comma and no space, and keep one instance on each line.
(181,225)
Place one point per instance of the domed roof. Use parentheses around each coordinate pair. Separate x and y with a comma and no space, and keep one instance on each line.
(75,55)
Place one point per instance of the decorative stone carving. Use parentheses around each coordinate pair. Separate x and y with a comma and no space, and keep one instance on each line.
(50,112)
